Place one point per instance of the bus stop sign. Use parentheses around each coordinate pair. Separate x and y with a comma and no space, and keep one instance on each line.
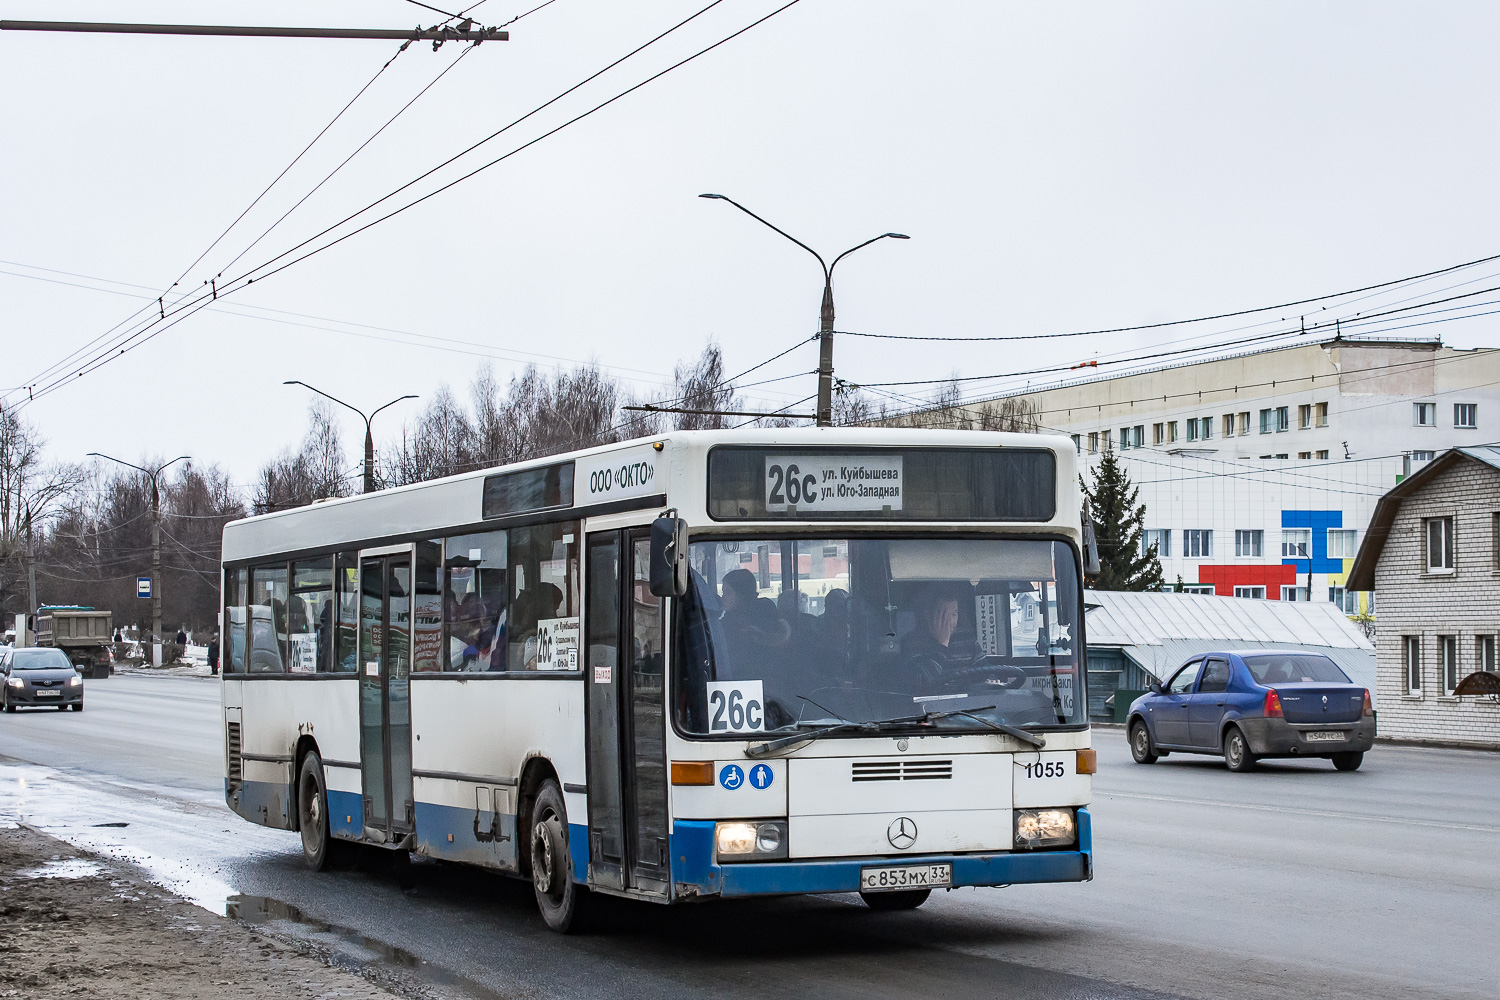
(143,586)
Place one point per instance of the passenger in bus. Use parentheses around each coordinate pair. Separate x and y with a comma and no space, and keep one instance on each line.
(749,619)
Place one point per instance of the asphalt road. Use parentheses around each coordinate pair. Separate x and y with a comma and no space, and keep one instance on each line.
(1296,880)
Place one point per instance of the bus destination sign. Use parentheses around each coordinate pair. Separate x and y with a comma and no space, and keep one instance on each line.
(833,482)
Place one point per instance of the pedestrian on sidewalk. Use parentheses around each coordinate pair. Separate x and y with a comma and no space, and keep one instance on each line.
(181,637)
(213,654)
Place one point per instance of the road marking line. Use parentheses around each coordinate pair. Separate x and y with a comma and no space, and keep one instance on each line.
(1325,814)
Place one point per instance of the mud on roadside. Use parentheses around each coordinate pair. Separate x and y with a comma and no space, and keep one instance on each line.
(73,925)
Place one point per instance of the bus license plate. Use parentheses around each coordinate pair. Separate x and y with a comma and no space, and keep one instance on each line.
(905,877)
(1326,736)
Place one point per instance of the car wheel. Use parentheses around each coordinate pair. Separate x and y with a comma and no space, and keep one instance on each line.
(319,850)
(901,899)
(1349,761)
(560,899)
(5,697)
(1140,744)
(1237,755)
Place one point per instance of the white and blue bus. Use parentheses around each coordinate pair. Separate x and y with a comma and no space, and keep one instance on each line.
(709,664)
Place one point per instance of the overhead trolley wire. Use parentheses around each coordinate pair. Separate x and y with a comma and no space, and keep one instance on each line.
(160,325)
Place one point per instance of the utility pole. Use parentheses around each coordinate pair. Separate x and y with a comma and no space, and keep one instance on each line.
(825,324)
(154,475)
(369,435)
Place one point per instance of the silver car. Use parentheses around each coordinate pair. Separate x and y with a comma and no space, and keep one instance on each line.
(39,677)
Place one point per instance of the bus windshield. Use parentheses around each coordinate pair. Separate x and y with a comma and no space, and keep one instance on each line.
(782,634)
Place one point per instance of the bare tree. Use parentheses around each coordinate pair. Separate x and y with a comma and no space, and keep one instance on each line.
(315,471)
(701,389)
(32,491)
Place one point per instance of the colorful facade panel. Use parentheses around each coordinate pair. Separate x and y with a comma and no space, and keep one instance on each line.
(1226,577)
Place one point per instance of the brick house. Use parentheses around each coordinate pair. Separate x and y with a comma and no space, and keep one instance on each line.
(1432,556)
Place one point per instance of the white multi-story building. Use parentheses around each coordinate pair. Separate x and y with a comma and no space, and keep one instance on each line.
(1260,470)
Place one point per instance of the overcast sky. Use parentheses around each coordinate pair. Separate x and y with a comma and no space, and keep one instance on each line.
(1058,167)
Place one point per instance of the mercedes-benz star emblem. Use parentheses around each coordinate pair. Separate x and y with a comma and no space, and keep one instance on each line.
(902,833)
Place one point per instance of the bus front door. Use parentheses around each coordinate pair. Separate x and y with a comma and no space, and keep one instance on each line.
(626,710)
(385,697)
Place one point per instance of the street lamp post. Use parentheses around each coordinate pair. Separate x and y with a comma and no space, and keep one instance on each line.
(825,327)
(369,437)
(154,475)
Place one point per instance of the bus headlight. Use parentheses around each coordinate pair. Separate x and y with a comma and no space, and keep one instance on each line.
(1045,828)
(750,840)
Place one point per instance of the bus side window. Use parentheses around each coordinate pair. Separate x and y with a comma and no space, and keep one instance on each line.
(427,610)
(233,651)
(346,612)
(544,599)
(267,606)
(473,598)
(310,615)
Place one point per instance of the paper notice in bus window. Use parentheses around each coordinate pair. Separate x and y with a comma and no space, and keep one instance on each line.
(987,623)
(736,707)
(812,483)
(427,632)
(557,644)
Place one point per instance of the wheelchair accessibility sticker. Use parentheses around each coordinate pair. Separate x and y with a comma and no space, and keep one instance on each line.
(731,777)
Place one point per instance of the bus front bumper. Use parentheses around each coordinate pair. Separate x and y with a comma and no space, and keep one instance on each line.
(694,872)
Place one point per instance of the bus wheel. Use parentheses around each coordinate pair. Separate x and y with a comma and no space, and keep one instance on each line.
(319,850)
(560,899)
(901,899)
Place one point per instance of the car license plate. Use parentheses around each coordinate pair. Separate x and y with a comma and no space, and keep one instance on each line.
(49,694)
(905,877)
(1326,736)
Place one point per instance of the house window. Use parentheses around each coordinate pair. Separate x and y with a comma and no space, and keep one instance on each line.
(1296,543)
(1205,589)
(1422,456)
(1228,425)
(1283,419)
(1304,416)
(1207,428)
(1304,454)
(1448,650)
(1161,538)
(1248,544)
(1320,414)
(1138,435)
(1078,443)
(1495,542)
(1192,429)
(1347,600)
(1484,652)
(1267,421)
(1323,455)
(1171,430)
(1106,441)
(1245,423)
(1158,433)
(1466,415)
(1255,593)
(1439,534)
(1290,593)
(1342,543)
(1370,603)
(1093,442)
(1411,656)
(1424,414)
(1197,543)
(1124,438)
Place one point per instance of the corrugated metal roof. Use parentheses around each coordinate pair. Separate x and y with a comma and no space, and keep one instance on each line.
(1159,631)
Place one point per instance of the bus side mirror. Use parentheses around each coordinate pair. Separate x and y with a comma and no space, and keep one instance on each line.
(669,556)
(1090,548)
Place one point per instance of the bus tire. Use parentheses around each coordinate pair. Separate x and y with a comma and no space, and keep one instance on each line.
(560,899)
(901,899)
(319,850)
(1141,749)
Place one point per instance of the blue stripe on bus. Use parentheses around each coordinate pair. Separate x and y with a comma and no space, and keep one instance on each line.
(693,867)
(346,811)
(435,824)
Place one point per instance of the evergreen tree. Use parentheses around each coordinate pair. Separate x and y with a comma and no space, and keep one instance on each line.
(1120,524)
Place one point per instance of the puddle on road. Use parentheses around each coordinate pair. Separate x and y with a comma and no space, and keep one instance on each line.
(344,946)
(65,868)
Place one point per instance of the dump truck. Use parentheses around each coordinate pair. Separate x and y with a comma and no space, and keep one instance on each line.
(83,633)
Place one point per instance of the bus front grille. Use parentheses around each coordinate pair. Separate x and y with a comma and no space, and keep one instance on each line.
(901,770)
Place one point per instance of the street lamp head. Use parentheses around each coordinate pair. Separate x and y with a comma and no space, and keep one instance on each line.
(898,236)
(719,196)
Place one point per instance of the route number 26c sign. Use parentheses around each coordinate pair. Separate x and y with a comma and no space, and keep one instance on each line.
(736,707)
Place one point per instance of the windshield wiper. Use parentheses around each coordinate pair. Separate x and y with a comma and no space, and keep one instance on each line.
(927,718)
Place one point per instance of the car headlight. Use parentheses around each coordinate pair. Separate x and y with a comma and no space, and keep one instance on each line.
(16,682)
(750,840)
(75,681)
(1045,828)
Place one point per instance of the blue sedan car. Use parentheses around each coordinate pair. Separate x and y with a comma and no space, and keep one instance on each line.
(1253,704)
